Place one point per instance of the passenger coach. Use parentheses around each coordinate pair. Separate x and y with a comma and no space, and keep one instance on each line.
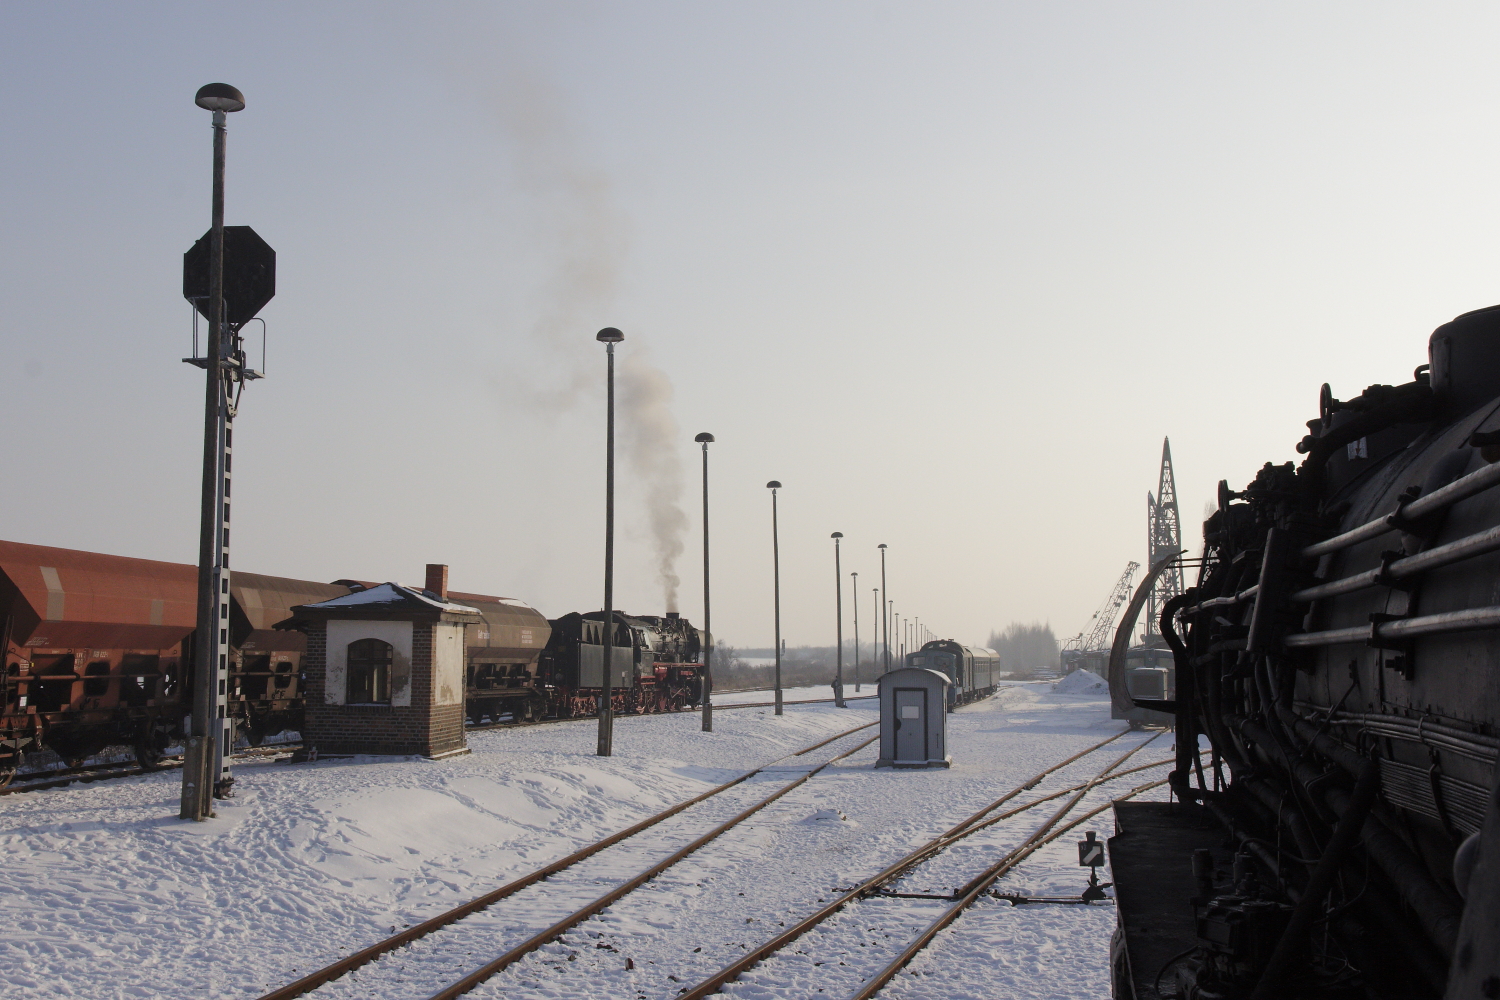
(974,670)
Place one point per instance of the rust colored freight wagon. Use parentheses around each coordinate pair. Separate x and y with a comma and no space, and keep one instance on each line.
(503,655)
(265,671)
(95,650)
(98,652)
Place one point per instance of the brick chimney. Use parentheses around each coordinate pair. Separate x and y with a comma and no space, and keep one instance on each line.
(437,579)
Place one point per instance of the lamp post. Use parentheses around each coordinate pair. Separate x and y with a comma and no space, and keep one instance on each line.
(854,604)
(705,439)
(609,337)
(773,486)
(885,624)
(890,623)
(838,592)
(205,774)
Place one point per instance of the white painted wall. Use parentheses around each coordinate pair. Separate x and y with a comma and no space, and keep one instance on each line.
(447,663)
(342,632)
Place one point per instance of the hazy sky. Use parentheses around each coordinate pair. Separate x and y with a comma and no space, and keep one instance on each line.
(948,271)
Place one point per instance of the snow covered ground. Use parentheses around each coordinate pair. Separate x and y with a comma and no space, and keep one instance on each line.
(108,895)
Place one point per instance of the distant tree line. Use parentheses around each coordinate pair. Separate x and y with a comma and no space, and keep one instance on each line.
(1025,647)
(801,666)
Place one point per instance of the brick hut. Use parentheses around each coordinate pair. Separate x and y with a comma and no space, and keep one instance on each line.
(385,670)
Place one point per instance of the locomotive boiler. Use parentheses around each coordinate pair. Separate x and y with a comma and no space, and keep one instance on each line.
(1339,657)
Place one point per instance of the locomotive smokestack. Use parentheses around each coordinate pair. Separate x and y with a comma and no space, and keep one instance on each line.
(437,579)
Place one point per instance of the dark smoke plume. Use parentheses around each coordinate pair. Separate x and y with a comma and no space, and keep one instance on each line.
(586,237)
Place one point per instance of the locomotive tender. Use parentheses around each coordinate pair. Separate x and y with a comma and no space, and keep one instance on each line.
(974,670)
(1340,652)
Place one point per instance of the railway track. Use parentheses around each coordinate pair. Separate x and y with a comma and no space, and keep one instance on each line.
(449,939)
(961,898)
(84,774)
(88,773)
(410,974)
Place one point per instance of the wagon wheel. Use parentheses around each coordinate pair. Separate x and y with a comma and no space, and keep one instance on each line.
(147,755)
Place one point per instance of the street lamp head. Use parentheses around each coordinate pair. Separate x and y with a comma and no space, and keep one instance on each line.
(837,534)
(773,485)
(704,438)
(609,335)
(881,545)
(219,97)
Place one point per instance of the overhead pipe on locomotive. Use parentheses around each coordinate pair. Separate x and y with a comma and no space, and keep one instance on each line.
(1340,652)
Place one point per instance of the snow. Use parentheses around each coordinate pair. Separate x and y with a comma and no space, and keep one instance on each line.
(392,593)
(815,692)
(110,896)
(1084,682)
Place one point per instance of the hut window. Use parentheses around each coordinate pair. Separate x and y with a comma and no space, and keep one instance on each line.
(369,672)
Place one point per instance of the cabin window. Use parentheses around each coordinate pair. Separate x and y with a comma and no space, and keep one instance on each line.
(369,672)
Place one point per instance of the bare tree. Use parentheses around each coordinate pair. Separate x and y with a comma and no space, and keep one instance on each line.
(1025,646)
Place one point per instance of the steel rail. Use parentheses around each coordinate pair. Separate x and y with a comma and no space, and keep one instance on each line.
(1467,620)
(87,774)
(1478,544)
(1460,489)
(1090,784)
(733,971)
(977,886)
(349,963)
(578,916)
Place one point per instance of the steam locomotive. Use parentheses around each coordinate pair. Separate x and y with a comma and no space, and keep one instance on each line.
(656,668)
(1340,653)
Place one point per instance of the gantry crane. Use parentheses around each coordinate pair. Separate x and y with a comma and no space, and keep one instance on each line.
(1100,632)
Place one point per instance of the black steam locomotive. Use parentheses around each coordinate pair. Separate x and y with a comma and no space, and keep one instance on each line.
(656,663)
(1341,655)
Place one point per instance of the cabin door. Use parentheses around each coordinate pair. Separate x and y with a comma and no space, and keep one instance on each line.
(911,724)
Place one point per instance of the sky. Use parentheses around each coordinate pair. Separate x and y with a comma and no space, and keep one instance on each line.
(949,272)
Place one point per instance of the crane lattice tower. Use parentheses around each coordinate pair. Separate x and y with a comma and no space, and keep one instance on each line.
(1163,538)
(1101,631)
